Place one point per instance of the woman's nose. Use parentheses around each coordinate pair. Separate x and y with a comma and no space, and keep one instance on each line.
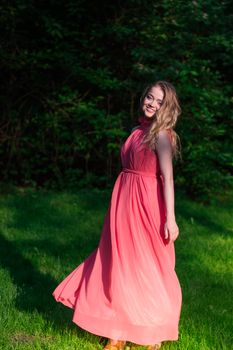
(154,104)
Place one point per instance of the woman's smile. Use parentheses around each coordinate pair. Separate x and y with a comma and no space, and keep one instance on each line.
(150,110)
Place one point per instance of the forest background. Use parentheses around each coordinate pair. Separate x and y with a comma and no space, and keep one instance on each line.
(71,77)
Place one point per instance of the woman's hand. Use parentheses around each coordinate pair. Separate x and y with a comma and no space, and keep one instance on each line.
(171,230)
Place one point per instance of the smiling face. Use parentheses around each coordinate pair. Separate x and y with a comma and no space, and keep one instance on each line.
(152,101)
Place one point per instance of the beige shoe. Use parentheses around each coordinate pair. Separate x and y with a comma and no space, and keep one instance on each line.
(111,345)
(154,347)
(148,347)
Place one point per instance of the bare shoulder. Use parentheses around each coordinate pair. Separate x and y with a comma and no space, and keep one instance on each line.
(164,140)
(164,136)
(164,133)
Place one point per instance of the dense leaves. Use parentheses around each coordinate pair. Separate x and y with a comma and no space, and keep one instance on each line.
(72,73)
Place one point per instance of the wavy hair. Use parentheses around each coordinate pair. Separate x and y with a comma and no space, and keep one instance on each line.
(165,118)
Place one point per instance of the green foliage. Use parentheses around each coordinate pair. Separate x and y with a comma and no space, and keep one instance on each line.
(72,74)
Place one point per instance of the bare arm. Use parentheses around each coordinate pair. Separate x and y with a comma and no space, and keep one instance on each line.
(164,152)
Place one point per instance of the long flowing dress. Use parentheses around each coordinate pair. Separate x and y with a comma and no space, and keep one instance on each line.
(127,288)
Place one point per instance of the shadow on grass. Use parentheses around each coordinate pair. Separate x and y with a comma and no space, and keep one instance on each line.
(34,288)
(199,214)
(30,213)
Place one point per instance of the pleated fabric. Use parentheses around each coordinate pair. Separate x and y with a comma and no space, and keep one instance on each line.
(127,288)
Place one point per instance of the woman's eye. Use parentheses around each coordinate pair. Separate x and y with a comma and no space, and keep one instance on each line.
(149,97)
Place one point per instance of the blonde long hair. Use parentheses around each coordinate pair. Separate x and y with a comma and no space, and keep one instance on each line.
(165,118)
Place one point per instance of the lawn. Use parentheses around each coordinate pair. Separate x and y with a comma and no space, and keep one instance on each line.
(45,235)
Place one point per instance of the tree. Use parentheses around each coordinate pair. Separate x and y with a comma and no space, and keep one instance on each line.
(72,76)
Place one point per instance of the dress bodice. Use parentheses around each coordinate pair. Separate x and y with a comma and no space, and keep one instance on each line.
(136,155)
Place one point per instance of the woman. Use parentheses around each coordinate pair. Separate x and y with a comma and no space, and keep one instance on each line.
(127,289)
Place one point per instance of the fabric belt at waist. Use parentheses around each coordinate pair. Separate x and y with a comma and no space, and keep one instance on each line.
(138,172)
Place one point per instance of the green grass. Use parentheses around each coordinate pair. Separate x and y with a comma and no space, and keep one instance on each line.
(45,235)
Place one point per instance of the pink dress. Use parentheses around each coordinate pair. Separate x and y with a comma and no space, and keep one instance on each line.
(127,288)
